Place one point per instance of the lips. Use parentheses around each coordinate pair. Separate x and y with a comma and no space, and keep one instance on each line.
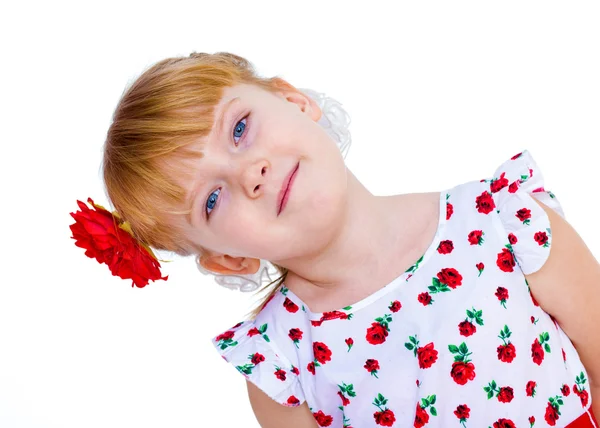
(285,188)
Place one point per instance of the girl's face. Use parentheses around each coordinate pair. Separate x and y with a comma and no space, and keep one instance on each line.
(258,139)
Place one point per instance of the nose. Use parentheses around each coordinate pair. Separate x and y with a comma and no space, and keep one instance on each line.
(254,178)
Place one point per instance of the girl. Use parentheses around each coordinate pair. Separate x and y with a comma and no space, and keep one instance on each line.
(465,307)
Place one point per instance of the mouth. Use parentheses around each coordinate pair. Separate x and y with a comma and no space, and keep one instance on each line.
(285,189)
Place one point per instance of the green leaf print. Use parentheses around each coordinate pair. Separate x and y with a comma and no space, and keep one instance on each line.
(415,266)
(347,308)
(245,369)
(262,328)
(463,348)
(437,286)
(433,411)
(453,349)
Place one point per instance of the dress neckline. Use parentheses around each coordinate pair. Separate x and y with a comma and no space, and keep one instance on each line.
(389,287)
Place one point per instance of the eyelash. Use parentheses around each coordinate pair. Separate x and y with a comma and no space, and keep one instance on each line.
(244,132)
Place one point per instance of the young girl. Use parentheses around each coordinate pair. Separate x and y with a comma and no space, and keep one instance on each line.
(452,308)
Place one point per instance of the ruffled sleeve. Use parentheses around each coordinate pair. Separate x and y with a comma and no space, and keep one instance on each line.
(514,185)
(248,347)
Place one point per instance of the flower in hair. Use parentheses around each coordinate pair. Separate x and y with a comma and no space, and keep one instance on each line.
(108,239)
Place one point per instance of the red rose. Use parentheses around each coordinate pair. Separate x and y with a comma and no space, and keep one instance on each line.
(395,306)
(225,336)
(584,396)
(295,334)
(551,415)
(501,293)
(479,266)
(462,411)
(450,277)
(530,388)
(376,334)
(253,332)
(506,394)
(564,355)
(425,299)
(445,247)
(514,186)
(449,210)
(322,419)
(565,390)
(421,417)
(280,374)
(506,353)
(541,238)
(531,420)
(498,184)
(506,260)
(537,352)
(466,328)
(475,237)
(385,418)
(322,352)
(311,367)
(257,358)
(349,341)
(290,306)
(371,365)
(237,325)
(485,203)
(504,423)
(512,238)
(427,356)
(345,400)
(293,401)
(107,238)
(523,214)
(295,371)
(462,372)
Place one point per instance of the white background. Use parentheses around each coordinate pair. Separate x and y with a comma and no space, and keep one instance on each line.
(439,94)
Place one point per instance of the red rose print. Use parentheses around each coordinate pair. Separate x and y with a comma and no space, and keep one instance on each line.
(531,421)
(445,247)
(311,367)
(427,356)
(322,352)
(584,396)
(384,417)
(537,352)
(485,203)
(349,342)
(450,277)
(506,260)
(498,184)
(253,332)
(517,156)
(462,372)
(421,417)
(293,401)
(228,335)
(514,186)
(506,353)
(395,306)
(505,395)
(372,366)
(290,306)
(504,423)
(322,419)
(524,214)
(378,331)
(237,325)
(257,358)
(295,334)
(279,373)
(295,371)
(530,388)
(502,295)
(475,237)
(462,413)
(345,400)
(425,299)
(565,390)
(541,238)
(480,266)
(449,210)
(564,355)
(466,328)
(512,238)
(551,415)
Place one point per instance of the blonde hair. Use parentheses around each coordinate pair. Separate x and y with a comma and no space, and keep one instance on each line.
(160,117)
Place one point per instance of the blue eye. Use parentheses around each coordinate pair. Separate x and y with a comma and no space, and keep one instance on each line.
(240,127)
(212,201)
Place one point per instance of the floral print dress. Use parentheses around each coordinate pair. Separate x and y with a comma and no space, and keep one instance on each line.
(457,340)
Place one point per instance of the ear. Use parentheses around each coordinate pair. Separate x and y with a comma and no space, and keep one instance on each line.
(294,95)
(227,265)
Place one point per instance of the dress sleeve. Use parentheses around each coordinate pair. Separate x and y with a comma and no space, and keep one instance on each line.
(251,351)
(514,185)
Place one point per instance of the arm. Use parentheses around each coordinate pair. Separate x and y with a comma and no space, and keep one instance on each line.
(568,288)
(271,414)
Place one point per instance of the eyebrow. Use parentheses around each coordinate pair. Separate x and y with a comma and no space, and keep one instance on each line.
(219,128)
